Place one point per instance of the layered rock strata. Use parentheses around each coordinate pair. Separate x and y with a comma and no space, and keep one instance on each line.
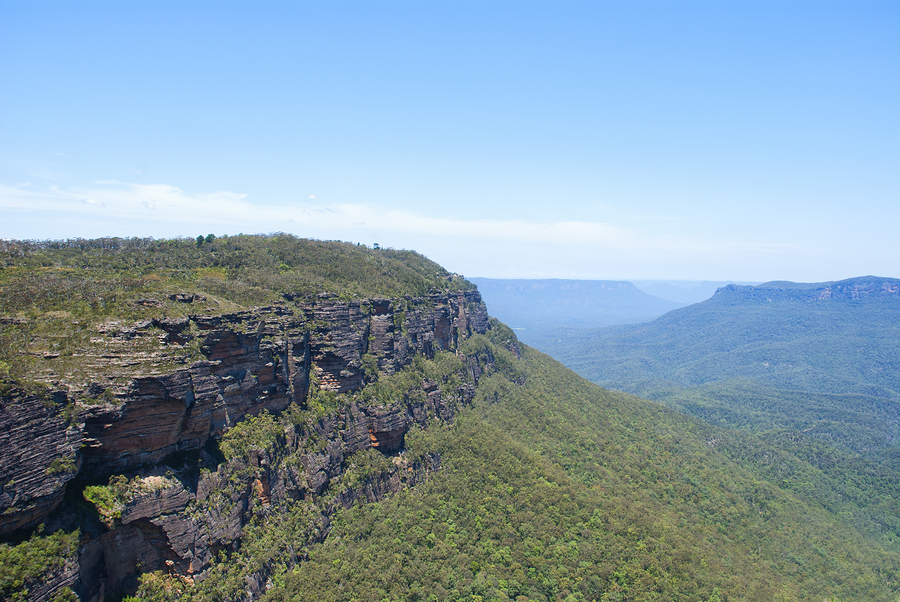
(263,360)
(178,516)
(853,289)
(39,454)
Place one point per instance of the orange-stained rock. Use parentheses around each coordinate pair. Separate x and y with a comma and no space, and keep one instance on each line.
(261,360)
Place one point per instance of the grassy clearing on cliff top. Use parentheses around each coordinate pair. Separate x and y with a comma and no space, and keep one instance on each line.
(53,294)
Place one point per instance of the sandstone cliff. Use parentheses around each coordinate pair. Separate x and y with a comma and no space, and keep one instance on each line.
(852,289)
(39,455)
(141,438)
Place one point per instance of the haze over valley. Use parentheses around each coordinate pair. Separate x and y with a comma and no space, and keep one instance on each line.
(538,309)
(274,418)
(509,301)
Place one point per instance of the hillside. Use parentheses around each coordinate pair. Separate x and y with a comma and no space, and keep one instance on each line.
(280,419)
(561,490)
(819,358)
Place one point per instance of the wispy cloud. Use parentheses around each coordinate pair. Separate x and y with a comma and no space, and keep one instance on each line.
(130,201)
(581,244)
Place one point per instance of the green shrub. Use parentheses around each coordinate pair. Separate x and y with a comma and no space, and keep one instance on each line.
(24,564)
(61,465)
(255,432)
(109,499)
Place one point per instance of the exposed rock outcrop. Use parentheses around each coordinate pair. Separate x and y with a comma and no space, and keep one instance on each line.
(852,289)
(52,587)
(39,454)
(175,525)
(177,516)
(263,360)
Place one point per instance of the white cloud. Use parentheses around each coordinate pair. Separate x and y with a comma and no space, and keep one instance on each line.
(588,248)
(228,210)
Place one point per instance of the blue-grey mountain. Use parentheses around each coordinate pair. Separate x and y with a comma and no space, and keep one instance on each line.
(821,358)
(535,308)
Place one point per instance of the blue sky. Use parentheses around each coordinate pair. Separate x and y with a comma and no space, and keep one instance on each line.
(614,140)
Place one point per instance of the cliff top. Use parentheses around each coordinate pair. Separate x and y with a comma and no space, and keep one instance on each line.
(62,300)
(851,288)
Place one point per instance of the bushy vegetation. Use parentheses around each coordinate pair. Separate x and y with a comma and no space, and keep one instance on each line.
(277,537)
(110,500)
(23,565)
(554,489)
(827,368)
(550,487)
(254,432)
(54,294)
(244,268)
(558,490)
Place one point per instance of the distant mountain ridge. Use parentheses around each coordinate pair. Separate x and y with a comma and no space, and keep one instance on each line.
(780,354)
(531,306)
(686,292)
(850,289)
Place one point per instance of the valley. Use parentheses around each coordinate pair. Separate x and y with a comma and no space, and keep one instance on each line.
(273,418)
(817,358)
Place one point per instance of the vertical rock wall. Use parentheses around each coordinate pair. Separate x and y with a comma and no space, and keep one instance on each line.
(262,359)
(39,455)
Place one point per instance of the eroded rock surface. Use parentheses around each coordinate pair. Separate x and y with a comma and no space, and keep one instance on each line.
(177,518)
(263,360)
(39,454)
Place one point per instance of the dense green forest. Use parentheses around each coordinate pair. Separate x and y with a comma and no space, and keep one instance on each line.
(546,487)
(767,357)
(555,489)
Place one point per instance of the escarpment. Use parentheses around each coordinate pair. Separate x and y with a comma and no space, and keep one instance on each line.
(864,288)
(263,360)
(177,447)
(39,455)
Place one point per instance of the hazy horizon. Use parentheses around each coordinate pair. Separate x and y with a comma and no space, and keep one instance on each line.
(620,140)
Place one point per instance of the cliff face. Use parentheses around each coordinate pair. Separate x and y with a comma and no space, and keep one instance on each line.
(177,503)
(39,455)
(263,360)
(852,289)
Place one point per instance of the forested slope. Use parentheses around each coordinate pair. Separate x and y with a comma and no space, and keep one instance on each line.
(818,358)
(553,488)
(268,417)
